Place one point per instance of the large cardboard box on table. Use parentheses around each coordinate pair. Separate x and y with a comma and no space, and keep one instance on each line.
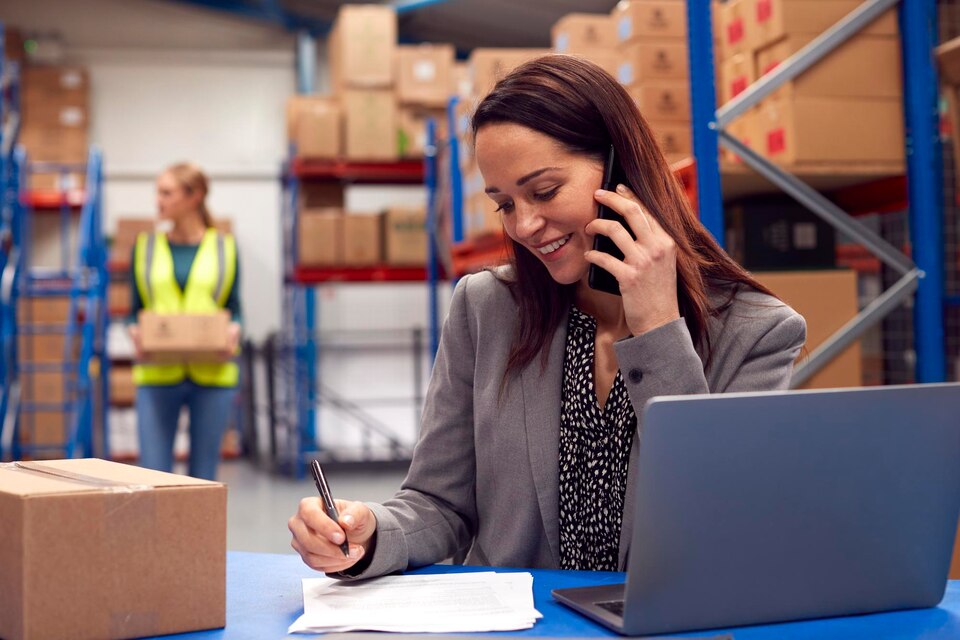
(179,337)
(425,74)
(645,61)
(770,20)
(362,240)
(488,66)
(314,125)
(405,236)
(371,124)
(320,237)
(827,300)
(92,549)
(362,45)
(663,100)
(645,19)
(579,32)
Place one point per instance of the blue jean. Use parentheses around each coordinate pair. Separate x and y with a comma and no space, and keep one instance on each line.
(158,412)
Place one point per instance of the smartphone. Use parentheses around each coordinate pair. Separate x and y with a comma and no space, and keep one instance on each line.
(598,278)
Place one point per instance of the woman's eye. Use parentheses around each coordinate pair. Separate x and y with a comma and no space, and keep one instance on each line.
(546,195)
(504,207)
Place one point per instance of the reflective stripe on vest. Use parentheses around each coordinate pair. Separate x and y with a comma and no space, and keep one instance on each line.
(207,289)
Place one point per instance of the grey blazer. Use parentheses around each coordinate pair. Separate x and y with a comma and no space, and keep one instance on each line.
(484,476)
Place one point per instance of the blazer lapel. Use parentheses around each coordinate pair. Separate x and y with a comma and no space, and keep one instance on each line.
(541,412)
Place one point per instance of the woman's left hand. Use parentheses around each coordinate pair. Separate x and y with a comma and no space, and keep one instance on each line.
(233,339)
(648,272)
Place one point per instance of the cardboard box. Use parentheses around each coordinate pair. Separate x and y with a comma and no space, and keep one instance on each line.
(733,28)
(320,195)
(663,100)
(840,75)
(119,297)
(745,129)
(45,347)
(606,59)
(59,144)
(488,66)
(646,61)
(123,390)
(180,337)
(315,126)
(45,310)
(412,129)
(362,240)
(50,115)
(13,45)
(44,429)
(362,46)
(737,73)
(675,139)
(66,85)
(371,124)
(461,79)
(802,130)
(638,20)
(48,387)
(85,560)
(579,32)
(125,237)
(405,236)
(320,237)
(777,233)
(771,20)
(425,74)
(827,300)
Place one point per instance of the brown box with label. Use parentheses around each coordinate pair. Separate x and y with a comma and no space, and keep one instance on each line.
(48,387)
(92,549)
(487,66)
(178,337)
(123,390)
(732,19)
(412,129)
(663,100)
(637,20)
(606,59)
(675,139)
(737,73)
(362,240)
(362,45)
(827,300)
(405,236)
(55,144)
(314,125)
(371,124)
(50,348)
(320,237)
(768,21)
(45,428)
(743,128)
(643,62)
(579,32)
(807,131)
(44,310)
(425,74)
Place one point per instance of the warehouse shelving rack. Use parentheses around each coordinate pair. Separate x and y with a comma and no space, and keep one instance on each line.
(920,277)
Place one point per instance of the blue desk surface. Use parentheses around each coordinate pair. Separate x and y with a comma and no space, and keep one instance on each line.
(264,596)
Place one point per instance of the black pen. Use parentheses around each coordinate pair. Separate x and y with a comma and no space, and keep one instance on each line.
(328,504)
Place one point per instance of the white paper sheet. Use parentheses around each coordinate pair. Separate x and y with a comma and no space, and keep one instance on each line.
(440,603)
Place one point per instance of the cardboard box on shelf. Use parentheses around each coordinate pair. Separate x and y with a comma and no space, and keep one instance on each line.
(732,21)
(315,126)
(45,428)
(48,348)
(60,144)
(425,74)
(487,66)
(48,387)
(119,296)
(771,20)
(827,300)
(320,237)
(461,79)
(645,61)
(362,239)
(412,129)
(743,129)
(675,139)
(55,83)
(802,130)
(43,310)
(123,390)
(88,576)
(840,74)
(371,124)
(179,337)
(405,236)
(606,59)
(579,32)
(777,233)
(663,100)
(737,73)
(52,115)
(362,45)
(125,237)
(644,19)
(320,195)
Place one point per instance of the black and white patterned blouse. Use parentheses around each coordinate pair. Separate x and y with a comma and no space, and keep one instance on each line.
(594,456)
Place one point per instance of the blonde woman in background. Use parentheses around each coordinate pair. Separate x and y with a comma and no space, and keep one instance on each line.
(193,268)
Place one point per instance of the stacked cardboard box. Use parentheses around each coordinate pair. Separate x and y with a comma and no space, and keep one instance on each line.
(589,35)
(425,82)
(651,41)
(55,103)
(328,237)
(798,124)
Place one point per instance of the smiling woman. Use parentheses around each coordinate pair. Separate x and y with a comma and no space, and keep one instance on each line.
(529,432)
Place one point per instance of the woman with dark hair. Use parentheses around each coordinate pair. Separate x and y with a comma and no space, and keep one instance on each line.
(530,428)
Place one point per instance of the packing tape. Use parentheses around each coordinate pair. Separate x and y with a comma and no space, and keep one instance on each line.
(71,476)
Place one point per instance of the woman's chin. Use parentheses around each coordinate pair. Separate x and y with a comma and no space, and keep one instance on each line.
(567,276)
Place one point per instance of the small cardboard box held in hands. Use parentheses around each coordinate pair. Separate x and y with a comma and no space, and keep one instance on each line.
(184,337)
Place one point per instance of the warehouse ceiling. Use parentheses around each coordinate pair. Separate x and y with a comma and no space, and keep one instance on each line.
(464,23)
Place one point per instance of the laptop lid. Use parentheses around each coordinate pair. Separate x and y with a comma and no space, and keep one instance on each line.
(764,507)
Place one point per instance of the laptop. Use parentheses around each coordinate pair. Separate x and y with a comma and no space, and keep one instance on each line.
(769,507)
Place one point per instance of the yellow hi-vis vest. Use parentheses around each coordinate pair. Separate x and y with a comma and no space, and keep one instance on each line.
(208,287)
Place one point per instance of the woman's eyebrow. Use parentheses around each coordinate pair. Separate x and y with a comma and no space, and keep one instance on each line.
(525,179)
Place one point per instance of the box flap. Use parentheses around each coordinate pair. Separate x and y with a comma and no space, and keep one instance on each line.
(84,475)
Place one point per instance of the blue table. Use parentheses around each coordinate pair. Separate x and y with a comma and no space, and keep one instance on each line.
(264,596)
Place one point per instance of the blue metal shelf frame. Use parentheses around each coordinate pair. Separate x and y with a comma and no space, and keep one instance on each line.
(918,22)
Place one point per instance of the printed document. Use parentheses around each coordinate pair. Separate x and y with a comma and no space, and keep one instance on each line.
(440,603)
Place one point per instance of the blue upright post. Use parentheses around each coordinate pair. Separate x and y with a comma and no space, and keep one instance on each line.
(433,275)
(703,108)
(918,25)
(456,180)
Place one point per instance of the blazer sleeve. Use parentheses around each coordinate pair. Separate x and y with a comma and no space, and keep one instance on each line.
(434,514)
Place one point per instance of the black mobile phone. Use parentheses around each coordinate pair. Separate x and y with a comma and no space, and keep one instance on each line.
(598,278)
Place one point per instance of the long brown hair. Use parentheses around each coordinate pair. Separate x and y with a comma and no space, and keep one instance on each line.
(193,180)
(586,110)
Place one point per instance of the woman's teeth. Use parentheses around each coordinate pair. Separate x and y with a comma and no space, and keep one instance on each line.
(553,246)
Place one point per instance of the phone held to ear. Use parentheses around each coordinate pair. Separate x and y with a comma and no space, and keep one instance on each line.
(598,278)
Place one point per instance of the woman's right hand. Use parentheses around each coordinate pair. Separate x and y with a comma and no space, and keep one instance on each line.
(317,538)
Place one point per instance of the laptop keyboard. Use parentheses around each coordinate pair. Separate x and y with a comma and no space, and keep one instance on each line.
(613,606)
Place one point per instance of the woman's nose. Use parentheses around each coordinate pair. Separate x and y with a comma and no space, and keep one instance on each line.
(529,222)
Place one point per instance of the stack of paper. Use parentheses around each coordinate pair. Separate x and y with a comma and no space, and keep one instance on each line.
(443,603)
